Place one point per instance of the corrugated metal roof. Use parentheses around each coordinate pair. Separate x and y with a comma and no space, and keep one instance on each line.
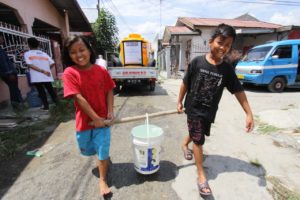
(193,22)
(177,30)
(180,30)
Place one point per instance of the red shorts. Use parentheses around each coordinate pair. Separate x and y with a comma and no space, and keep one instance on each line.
(198,128)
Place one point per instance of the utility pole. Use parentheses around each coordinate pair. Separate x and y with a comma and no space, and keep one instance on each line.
(159,19)
(98,7)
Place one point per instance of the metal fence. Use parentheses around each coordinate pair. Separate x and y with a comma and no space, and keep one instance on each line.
(15,44)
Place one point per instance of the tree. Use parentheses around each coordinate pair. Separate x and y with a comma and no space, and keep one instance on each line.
(106,32)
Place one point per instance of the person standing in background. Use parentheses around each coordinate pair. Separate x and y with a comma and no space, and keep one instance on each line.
(40,64)
(8,74)
(101,62)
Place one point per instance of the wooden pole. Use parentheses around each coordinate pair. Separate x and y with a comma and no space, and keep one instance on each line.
(139,117)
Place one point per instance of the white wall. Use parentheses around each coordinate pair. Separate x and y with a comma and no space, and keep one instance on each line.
(200,44)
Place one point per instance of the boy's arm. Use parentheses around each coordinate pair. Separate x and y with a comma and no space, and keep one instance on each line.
(87,109)
(241,97)
(39,69)
(181,95)
(52,65)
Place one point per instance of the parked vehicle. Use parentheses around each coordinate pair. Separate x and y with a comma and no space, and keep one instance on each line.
(135,66)
(273,64)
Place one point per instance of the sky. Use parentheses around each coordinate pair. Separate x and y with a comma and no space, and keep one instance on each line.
(149,17)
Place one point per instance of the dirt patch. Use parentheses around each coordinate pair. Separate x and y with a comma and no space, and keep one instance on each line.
(32,134)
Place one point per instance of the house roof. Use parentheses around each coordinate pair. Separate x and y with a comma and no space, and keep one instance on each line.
(180,30)
(246,17)
(177,30)
(193,23)
(77,20)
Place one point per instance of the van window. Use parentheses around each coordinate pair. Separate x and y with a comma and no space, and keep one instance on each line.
(257,54)
(283,52)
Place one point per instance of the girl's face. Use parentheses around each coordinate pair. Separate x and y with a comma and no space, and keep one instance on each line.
(220,46)
(80,54)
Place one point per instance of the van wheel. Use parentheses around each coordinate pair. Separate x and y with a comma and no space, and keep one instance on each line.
(152,85)
(277,85)
(117,89)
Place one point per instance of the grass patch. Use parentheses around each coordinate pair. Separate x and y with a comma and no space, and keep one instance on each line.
(281,192)
(284,108)
(296,130)
(255,162)
(264,128)
(12,139)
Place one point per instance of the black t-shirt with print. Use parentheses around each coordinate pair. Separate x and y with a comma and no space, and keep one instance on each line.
(205,83)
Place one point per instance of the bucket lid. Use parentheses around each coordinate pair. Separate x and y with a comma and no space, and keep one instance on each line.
(141,131)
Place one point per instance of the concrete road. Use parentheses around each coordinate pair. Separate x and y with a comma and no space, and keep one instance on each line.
(63,174)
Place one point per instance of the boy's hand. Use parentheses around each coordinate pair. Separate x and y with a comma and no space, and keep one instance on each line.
(47,73)
(12,77)
(179,107)
(249,123)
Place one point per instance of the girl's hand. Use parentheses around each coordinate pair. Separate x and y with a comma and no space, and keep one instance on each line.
(179,107)
(110,115)
(249,123)
(98,123)
(110,119)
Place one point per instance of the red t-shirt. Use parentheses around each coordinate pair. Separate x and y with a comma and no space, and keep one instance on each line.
(93,84)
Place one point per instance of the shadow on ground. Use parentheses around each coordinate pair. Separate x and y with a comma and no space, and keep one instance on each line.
(38,133)
(217,164)
(264,89)
(124,174)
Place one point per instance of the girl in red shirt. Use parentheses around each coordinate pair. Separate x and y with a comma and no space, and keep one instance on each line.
(91,88)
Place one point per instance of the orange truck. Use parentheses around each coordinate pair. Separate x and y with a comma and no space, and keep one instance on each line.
(137,63)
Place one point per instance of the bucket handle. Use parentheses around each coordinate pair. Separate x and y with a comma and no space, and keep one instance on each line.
(147,126)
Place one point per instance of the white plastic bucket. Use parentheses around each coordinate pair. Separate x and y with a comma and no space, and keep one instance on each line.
(146,141)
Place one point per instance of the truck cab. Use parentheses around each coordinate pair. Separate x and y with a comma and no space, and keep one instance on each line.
(275,65)
(135,66)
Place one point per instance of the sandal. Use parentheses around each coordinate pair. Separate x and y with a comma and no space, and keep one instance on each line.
(202,187)
(188,154)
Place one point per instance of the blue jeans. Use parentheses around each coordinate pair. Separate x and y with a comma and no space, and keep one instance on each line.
(12,82)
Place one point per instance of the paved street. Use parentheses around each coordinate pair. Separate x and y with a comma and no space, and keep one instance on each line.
(237,164)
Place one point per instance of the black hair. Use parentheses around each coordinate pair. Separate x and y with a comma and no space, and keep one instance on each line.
(224,30)
(33,42)
(69,42)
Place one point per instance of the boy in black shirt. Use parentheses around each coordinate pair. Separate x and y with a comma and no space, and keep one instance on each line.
(203,86)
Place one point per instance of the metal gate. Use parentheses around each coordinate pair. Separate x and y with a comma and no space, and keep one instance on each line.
(15,45)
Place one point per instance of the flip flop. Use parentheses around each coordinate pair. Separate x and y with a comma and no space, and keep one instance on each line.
(188,154)
(202,186)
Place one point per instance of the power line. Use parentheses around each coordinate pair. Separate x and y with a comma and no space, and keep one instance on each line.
(114,8)
(267,2)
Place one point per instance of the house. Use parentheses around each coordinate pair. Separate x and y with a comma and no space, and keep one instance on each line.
(50,21)
(190,37)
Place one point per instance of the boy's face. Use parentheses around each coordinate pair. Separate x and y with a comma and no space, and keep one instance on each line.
(220,46)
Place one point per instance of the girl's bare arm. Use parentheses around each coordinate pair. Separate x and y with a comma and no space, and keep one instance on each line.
(87,109)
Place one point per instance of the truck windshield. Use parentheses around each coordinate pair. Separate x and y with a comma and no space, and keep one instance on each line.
(257,54)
